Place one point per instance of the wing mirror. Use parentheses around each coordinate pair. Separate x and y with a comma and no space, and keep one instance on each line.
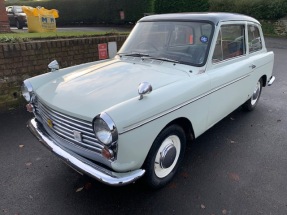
(53,66)
(143,89)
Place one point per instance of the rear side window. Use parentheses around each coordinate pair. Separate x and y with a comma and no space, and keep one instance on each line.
(230,42)
(254,39)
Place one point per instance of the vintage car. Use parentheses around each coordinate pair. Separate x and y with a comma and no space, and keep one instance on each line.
(131,116)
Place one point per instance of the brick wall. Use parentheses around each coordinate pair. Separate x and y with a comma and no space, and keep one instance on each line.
(19,61)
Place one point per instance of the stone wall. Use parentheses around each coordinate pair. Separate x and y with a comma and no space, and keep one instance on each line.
(281,27)
(19,61)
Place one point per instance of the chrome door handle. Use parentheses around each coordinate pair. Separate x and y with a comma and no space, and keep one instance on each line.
(252,66)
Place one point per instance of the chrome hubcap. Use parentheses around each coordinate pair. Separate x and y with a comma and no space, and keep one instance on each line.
(167,156)
(256,93)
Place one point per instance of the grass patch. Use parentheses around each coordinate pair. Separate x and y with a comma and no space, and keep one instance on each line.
(25,37)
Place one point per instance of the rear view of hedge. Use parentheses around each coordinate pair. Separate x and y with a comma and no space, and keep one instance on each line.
(168,6)
(260,9)
(108,11)
(94,11)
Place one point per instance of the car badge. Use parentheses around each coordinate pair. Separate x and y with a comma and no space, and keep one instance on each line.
(50,123)
(78,136)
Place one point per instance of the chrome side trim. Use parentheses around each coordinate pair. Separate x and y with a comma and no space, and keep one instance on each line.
(80,163)
(139,124)
(272,79)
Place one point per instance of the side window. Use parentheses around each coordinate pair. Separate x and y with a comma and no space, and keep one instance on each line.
(254,39)
(230,42)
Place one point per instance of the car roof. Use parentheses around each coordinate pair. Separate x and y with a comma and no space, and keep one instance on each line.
(210,17)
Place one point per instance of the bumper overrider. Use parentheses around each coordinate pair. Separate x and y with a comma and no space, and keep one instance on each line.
(80,163)
(271,80)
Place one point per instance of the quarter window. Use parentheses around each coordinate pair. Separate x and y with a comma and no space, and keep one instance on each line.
(230,43)
(254,39)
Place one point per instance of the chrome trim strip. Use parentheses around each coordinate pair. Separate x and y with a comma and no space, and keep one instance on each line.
(62,118)
(86,146)
(65,116)
(272,79)
(81,164)
(139,124)
(57,124)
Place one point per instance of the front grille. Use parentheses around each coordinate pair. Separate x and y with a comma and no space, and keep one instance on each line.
(64,126)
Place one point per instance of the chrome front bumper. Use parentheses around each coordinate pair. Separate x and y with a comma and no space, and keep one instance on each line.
(80,163)
(271,80)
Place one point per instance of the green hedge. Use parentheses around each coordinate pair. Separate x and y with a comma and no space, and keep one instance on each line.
(168,6)
(108,11)
(94,11)
(260,9)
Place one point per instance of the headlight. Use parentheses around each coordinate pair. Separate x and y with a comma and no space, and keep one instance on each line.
(27,90)
(105,129)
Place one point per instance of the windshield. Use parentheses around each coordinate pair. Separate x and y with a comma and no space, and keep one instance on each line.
(183,42)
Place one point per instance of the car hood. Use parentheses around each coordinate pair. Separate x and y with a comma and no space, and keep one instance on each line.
(86,92)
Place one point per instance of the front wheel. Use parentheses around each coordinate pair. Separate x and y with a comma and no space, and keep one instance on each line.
(251,103)
(165,156)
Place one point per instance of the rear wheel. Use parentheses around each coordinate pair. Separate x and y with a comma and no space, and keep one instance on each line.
(251,103)
(165,156)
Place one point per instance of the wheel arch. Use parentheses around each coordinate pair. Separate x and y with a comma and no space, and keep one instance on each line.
(186,125)
(264,80)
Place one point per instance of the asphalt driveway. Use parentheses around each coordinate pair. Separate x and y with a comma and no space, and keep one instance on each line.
(237,167)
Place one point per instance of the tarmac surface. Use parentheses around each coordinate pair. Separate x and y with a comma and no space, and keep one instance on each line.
(239,166)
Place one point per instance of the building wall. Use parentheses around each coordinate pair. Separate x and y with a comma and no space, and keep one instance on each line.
(4,24)
(19,61)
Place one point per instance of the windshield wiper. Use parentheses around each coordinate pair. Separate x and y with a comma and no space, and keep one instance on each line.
(163,59)
(134,54)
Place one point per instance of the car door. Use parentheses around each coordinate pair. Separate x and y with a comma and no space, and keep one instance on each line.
(229,71)
(262,61)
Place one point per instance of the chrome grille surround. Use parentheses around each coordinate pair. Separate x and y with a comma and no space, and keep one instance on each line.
(64,127)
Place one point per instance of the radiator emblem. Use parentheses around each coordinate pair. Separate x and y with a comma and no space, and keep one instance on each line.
(78,136)
(50,123)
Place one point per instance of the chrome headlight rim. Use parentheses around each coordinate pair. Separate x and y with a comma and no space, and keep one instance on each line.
(27,91)
(111,126)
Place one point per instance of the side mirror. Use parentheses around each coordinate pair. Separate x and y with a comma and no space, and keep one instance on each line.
(143,89)
(53,66)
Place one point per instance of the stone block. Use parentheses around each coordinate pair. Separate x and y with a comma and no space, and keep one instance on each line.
(23,46)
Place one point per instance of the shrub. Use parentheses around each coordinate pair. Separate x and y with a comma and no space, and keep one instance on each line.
(260,9)
(167,6)
(94,11)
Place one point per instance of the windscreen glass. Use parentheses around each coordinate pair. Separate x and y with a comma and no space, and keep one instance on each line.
(183,42)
